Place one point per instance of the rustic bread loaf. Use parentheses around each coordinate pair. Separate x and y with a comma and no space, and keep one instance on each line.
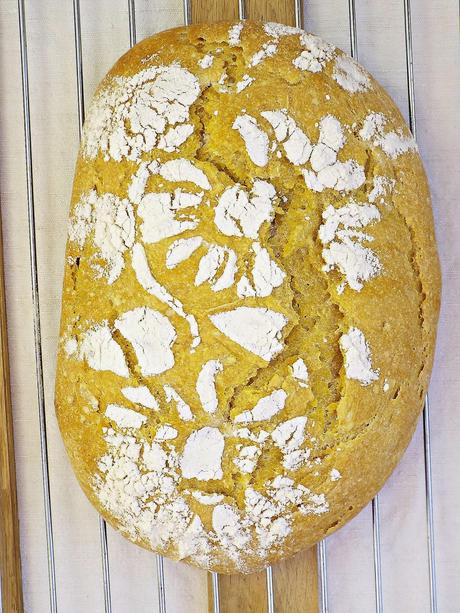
(251,294)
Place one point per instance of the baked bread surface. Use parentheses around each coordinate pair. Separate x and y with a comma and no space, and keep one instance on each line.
(250,297)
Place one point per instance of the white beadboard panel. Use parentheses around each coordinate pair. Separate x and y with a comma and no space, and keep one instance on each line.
(185,588)
(105,36)
(155,16)
(437,83)
(19,307)
(54,142)
(51,135)
(377,23)
(132,576)
(350,564)
(329,20)
(404,534)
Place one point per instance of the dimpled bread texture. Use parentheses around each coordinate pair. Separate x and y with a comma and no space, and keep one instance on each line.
(251,294)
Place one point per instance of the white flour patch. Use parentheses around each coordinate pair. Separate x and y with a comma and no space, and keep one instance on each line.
(271,515)
(184,410)
(257,329)
(247,458)
(350,75)
(345,251)
(288,436)
(141,395)
(260,437)
(350,217)
(207,499)
(182,169)
(296,144)
(137,484)
(228,275)
(266,275)
(211,263)
(382,187)
(335,475)
(181,249)
(152,335)
(275,30)
(271,530)
(255,140)
(246,80)
(136,188)
(71,346)
(175,171)
(102,352)
(327,171)
(341,176)
(268,50)
(300,372)
(322,156)
(234,34)
(151,285)
(166,433)
(231,532)
(175,137)
(393,143)
(206,61)
(159,212)
(206,385)
(194,543)
(284,490)
(110,221)
(331,132)
(357,263)
(316,53)
(128,116)
(155,457)
(175,524)
(124,417)
(202,455)
(312,181)
(357,354)
(265,408)
(241,214)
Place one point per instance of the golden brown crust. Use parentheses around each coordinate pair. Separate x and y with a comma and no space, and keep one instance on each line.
(358,430)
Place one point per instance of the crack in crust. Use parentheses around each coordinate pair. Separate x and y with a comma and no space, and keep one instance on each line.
(290,280)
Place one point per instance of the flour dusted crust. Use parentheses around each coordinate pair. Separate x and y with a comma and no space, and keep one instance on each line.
(251,294)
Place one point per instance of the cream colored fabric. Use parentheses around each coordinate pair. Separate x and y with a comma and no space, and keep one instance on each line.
(54,123)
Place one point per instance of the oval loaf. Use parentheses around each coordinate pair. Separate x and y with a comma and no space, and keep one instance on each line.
(251,294)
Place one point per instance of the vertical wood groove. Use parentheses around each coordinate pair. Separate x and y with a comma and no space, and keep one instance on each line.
(10,562)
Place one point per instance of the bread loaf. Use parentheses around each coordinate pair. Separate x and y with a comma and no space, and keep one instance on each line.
(250,297)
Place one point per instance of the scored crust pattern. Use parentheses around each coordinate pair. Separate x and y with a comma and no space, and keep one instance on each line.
(233,245)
